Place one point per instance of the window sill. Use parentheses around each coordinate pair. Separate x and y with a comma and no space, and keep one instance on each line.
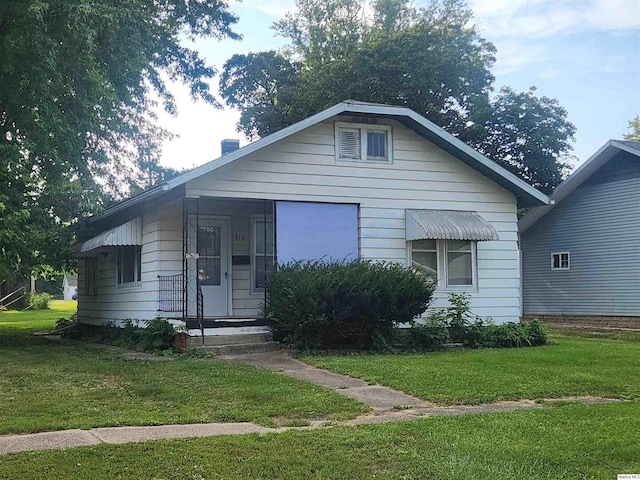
(129,286)
(347,161)
(458,289)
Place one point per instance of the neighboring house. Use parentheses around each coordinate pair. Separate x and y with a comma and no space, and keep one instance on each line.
(69,287)
(581,255)
(356,180)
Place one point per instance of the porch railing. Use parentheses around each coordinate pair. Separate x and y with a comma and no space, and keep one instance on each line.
(170,293)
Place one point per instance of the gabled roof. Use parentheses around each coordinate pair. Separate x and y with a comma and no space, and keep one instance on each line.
(578,177)
(525,193)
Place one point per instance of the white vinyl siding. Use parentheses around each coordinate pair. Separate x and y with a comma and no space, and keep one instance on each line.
(422,176)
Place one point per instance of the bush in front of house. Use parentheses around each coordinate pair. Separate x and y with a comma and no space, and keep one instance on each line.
(320,304)
(457,324)
(39,301)
(144,335)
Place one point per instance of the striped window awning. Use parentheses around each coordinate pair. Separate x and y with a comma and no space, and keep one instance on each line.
(129,233)
(447,225)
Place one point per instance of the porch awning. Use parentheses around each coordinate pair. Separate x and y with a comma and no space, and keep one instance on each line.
(447,225)
(129,233)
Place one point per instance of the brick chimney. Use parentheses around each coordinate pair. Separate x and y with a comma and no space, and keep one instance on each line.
(229,145)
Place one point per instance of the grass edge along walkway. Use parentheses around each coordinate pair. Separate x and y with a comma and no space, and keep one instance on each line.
(121,435)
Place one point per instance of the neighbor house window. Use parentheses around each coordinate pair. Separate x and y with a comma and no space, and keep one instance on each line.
(560,261)
(363,143)
(129,264)
(455,259)
(262,251)
(91,277)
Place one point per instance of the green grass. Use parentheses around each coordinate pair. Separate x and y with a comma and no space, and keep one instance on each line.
(45,385)
(622,335)
(564,442)
(569,366)
(37,320)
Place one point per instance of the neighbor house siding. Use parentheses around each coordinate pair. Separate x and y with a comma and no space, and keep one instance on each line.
(599,225)
(303,168)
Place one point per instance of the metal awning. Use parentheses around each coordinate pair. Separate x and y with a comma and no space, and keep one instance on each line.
(447,225)
(129,233)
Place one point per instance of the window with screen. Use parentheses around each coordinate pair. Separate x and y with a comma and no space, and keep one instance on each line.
(129,265)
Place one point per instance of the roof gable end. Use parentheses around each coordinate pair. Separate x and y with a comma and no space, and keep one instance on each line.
(578,178)
(525,193)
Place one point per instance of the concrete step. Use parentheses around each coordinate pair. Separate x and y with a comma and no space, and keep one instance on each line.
(241,348)
(235,339)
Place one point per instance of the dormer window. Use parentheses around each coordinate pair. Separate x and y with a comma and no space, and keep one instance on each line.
(363,143)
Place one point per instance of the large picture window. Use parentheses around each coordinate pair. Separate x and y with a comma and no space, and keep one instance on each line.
(129,264)
(450,263)
(262,251)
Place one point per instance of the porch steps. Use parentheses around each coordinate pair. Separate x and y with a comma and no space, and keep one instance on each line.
(234,344)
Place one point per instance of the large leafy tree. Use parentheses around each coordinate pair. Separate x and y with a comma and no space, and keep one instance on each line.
(79,82)
(528,135)
(432,60)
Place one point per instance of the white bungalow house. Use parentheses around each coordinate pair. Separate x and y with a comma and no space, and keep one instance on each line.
(356,180)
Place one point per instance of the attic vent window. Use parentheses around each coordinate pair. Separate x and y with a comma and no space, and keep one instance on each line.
(363,143)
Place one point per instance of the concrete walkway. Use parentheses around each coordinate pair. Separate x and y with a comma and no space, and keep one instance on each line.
(379,398)
(387,404)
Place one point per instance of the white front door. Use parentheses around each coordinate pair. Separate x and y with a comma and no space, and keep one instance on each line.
(213,265)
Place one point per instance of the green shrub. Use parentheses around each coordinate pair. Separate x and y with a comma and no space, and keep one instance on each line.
(145,335)
(39,301)
(428,335)
(538,334)
(463,326)
(359,303)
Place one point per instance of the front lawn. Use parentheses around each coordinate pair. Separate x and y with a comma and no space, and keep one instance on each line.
(45,385)
(569,366)
(563,442)
(37,320)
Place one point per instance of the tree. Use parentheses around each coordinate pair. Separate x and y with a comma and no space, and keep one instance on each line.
(634,126)
(263,86)
(527,135)
(432,60)
(79,81)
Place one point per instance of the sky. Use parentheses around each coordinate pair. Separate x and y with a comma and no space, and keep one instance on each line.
(584,53)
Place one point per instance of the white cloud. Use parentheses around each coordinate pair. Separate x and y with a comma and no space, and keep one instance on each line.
(513,56)
(544,18)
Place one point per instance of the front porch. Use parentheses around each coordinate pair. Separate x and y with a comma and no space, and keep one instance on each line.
(227,246)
